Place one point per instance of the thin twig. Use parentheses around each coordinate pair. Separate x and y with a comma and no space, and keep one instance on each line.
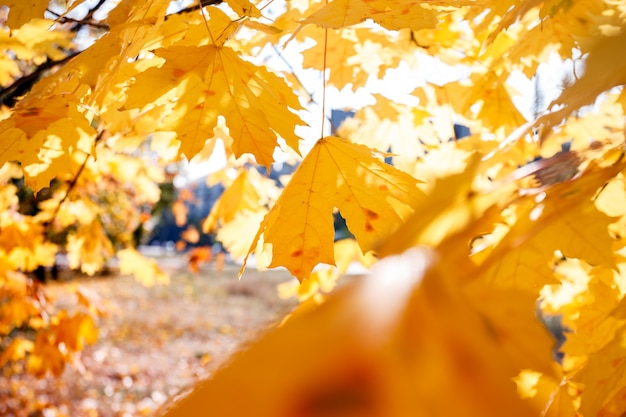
(94,9)
(324,82)
(73,182)
(203,3)
(83,22)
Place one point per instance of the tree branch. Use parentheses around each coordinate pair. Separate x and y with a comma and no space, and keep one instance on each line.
(21,86)
(83,22)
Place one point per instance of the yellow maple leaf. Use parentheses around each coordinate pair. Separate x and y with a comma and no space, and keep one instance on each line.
(324,279)
(244,8)
(564,217)
(22,11)
(604,377)
(373,197)
(238,234)
(352,55)
(401,342)
(394,14)
(43,136)
(134,11)
(604,69)
(37,36)
(210,81)
(17,349)
(24,245)
(146,271)
(74,331)
(450,205)
(546,393)
(16,312)
(591,325)
(88,247)
(512,318)
(249,192)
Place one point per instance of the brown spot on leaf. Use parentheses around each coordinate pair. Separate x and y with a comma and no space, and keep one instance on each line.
(369,227)
(179,72)
(371,215)
(351,392)
(31,111)
(297,253)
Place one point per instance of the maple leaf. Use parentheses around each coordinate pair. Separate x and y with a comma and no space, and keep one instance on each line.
(447,210)
(604,69)
(400,342)
(238,234)
(17,349)
(564,218)
(24,246)
(604,377)
(146,271)
(43,137)
(591,325)
(249,192)
(244,8)
(335,173)
(16,312)
(400,14)
(494,97)
(88,247)
(211,81)
(547,393)
(348,58)
(22,11)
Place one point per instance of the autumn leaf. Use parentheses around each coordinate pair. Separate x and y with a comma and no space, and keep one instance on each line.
(88,247)
(17,349)
(248,192)
(402,14)
(22,11)
(335,173)
(24,246)
(197,256)
(553,396)
(604,69)
(237,234)
(244,8)
(564,218)
(211,81)
(603,377)
(43,138)
(349,60)
(145,270)
(401,342)
(448,208)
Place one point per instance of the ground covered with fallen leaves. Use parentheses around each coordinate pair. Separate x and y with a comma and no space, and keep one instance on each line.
(153,342)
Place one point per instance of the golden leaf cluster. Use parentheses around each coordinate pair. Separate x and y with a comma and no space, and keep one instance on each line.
(485,241)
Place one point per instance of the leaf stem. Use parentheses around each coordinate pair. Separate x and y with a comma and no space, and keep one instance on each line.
(324,83)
